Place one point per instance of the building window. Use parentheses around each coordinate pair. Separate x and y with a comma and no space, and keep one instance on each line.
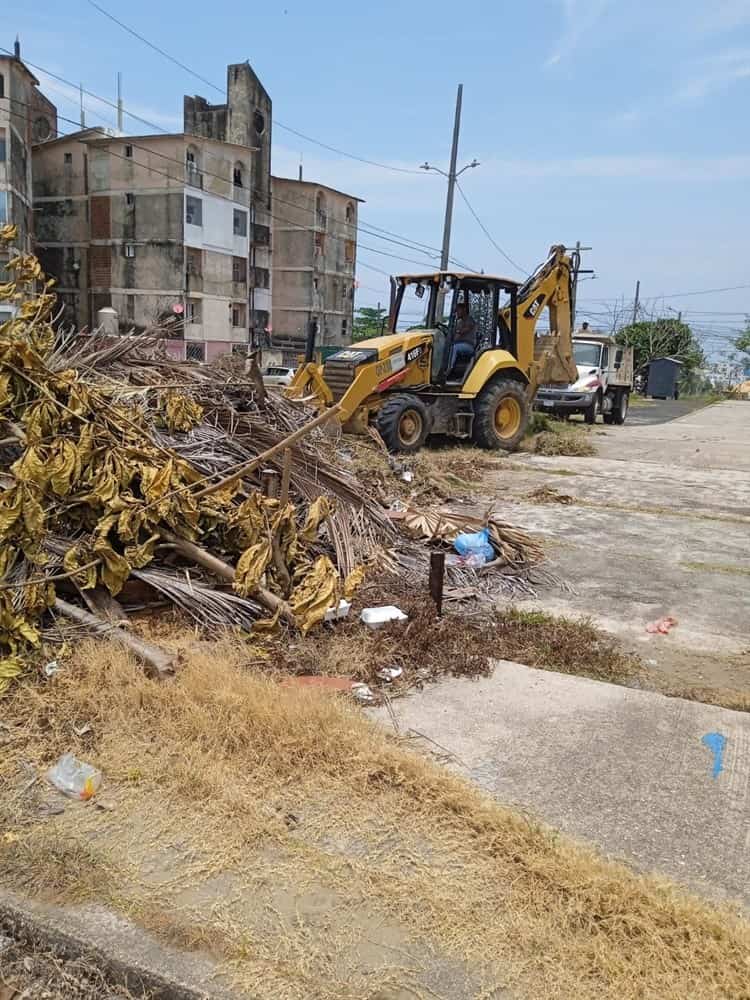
(2,85)
(67,158)
(3,207)
(320,242)
(193,262)
(239,270)
(238,175)
(321,218)
(240,222)
(349,212)
(349,251)
(238,314)
(195,352)
(130,249)
(343,328)
(3,154)
(193,211)
(193,168)
(129,151)
(193,311)
(239,350)
(130,308)
(259,122)
(129,198)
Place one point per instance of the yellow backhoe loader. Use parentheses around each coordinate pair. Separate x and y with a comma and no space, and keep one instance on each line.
(467,364)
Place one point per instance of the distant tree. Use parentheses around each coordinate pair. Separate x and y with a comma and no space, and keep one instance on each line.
(368,322)
(660,338)
(742,343)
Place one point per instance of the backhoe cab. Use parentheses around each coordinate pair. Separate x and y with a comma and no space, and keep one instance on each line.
(460,357)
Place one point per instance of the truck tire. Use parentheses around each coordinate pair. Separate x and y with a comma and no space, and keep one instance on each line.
(620,411)
(501,414)
(591,412)
(403,422)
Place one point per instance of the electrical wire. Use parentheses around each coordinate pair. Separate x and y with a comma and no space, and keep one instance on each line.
(405,241)
(487,233)
(287,128)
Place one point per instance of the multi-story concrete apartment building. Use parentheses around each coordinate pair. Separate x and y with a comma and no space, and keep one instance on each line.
(245,119)
(156,227)
(26,117)
(314,260)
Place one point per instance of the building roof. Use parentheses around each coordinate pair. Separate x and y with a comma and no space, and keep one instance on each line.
(461,275)
(20,63)
(315,184)
(124,137)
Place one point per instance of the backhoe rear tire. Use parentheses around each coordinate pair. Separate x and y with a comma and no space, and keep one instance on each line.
(403,422)
(501,415)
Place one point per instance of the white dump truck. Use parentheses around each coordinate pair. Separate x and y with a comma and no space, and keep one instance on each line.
(604,383)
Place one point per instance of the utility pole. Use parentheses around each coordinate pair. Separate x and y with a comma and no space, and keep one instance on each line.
(452,176)
(83,113)
(451,183)
(635,304)
(119,103)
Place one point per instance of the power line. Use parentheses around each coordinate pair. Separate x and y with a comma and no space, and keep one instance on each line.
(409,244)
(488,234)
(287,128)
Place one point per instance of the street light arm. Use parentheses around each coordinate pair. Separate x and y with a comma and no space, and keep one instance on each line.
(474,163)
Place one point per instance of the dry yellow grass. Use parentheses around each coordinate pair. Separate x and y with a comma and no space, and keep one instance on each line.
(286,791)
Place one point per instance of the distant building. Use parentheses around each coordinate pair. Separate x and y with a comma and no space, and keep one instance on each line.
(156,226)
(245,120)
(314,259)
(26,117)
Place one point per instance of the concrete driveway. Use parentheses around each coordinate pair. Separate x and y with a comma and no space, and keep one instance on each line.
(659,524)
(659,782)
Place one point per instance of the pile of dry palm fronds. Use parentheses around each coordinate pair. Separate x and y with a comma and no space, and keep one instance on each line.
(127,478)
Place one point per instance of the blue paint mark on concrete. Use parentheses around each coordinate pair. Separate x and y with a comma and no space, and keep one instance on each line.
(716,743)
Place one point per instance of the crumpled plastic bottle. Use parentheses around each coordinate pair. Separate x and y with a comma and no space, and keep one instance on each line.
(74,777)
(475,543)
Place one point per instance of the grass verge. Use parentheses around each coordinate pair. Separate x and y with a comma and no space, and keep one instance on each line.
(272,786)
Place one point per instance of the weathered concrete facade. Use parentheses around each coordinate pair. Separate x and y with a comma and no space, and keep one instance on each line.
(315,249)
(26,116)
(245,119)
(155,227)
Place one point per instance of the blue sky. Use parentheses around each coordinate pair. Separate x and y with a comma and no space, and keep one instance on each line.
(622,125)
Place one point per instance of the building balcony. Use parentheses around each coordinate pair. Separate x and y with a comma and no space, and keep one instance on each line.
(258,277)
(193,176)
(193,282)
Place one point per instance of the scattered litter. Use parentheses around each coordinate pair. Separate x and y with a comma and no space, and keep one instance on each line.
(339,611)
(652,663)
(105,806)
(74,777)
(377,617)
(83,730)
(51,668)
(389,673)
(663,626)
(475,543)
(407,475)
(363,694)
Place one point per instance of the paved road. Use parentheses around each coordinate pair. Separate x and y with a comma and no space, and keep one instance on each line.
(660,411)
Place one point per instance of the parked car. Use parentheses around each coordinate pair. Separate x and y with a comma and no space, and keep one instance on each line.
(276,375)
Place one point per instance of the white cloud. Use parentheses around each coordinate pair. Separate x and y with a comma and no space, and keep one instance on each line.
(714,73)
(579,17)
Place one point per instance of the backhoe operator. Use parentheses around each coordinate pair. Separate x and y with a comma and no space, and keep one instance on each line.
(465,340)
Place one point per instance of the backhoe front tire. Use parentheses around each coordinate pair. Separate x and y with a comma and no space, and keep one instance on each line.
(501,415)
(403,422)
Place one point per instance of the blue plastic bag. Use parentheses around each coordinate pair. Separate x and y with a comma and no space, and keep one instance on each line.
(475,543)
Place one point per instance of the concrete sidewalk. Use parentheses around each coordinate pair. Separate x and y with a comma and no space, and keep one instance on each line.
(659,782)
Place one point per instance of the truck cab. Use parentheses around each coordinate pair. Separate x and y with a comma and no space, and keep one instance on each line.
(604,383)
